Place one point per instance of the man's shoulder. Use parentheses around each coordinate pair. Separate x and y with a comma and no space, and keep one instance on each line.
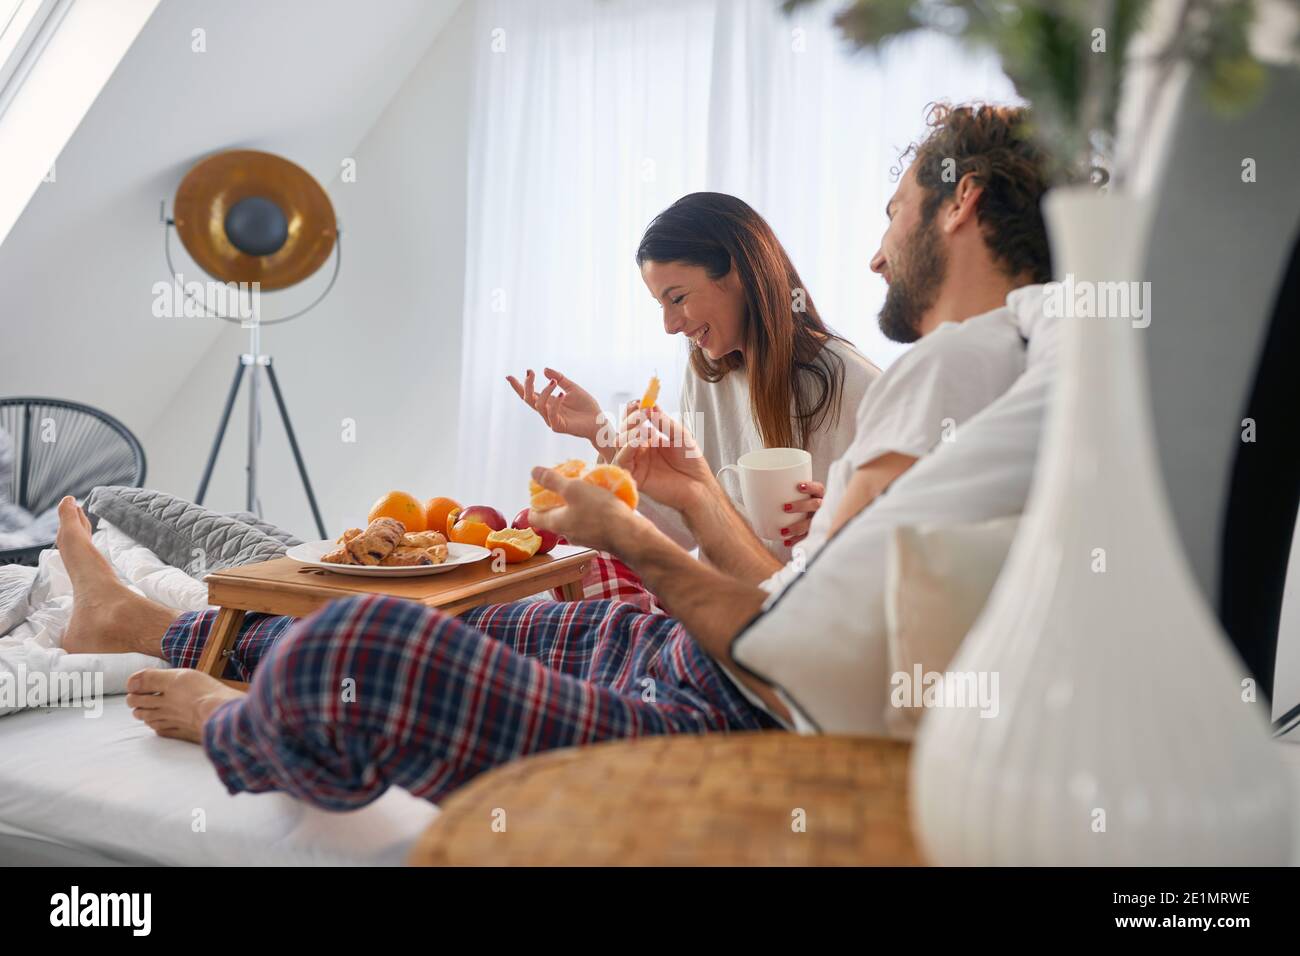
(997,329)
(962,365)
(956,343)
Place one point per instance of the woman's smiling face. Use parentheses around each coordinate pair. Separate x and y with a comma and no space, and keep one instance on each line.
(710,312)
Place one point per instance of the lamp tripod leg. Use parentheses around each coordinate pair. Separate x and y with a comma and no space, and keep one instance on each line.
(254,436)
(293,445)
(221,434)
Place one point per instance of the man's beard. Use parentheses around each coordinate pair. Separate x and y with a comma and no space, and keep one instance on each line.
(914,286)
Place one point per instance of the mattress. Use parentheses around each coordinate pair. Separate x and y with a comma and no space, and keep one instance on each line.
(108,790)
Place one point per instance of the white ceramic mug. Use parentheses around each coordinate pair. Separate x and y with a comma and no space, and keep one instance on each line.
(769,478)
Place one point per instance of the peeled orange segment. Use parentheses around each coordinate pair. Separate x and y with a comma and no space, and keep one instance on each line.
(651,393)
(402,507)
(573,468)
(615,479)
(543,499)
(517,544)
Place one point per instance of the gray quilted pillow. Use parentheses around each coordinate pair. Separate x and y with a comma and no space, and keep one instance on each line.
(274,531)
(186,535)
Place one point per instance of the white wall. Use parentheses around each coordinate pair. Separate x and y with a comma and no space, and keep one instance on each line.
(383,350)
(303,78)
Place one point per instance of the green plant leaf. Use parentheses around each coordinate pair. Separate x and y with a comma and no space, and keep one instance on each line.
(1233,84)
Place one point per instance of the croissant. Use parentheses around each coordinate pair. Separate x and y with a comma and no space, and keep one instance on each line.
(422,539)
(404,557)
(380,539)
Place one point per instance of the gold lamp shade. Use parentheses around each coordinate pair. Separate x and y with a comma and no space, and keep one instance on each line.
(249,216)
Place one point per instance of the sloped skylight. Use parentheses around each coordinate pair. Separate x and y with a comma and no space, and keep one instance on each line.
(24,26)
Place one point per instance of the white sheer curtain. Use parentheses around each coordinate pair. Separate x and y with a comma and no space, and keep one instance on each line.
(590,116)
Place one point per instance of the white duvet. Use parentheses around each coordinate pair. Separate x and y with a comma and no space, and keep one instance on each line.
(35,671)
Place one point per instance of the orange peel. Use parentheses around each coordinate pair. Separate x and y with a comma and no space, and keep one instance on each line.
(517,544)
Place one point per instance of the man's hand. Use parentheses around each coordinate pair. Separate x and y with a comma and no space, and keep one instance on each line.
(590,516)
(712,606)
(663,458)
(670,468)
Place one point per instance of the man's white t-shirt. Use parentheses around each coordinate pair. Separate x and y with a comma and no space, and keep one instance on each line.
(954,373)
(822,643)
(922,399)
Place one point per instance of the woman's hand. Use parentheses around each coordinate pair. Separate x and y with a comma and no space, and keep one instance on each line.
(570,411)
(802,511)
(664,459)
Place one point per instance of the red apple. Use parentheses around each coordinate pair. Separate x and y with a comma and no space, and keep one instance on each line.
(549,538)
(488,516)
(473,525)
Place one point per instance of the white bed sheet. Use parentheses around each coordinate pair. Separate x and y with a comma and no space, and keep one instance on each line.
(109,788)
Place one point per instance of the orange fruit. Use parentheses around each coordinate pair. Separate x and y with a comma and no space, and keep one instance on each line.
(436,511)
(466,532)
(518,544)
(573,468)
(543,499)
(401,506)
(615,479)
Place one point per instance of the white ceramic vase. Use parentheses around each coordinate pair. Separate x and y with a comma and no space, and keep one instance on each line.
(1124,735)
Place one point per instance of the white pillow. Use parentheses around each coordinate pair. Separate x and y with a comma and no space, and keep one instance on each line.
(937,582)
(821,640)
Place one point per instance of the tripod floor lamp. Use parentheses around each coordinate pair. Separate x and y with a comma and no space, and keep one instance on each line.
(255,223)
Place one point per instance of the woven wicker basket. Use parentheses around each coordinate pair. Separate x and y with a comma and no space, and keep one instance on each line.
(714,800)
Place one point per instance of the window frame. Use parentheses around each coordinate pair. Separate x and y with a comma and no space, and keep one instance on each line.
(23,39)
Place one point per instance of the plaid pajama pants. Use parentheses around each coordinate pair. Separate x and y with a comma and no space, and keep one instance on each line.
(608,578)
(373,692)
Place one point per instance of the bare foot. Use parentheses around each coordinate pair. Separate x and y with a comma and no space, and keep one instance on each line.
(107,616)
(176,703)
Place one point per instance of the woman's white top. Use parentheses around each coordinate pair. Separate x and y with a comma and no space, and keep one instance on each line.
(718,414)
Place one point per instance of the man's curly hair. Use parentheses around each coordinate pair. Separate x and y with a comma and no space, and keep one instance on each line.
(992,143)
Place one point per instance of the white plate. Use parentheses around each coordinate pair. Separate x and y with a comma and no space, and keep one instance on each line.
(458,555)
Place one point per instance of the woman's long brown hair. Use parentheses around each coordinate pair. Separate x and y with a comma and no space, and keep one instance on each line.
(794,381)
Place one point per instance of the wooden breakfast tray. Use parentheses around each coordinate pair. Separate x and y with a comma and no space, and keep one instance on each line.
(286,586)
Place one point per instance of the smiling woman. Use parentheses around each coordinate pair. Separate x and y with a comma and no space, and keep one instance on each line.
(726,283)
(765,371)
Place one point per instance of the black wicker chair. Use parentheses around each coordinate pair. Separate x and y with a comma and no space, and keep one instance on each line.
(64,448)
